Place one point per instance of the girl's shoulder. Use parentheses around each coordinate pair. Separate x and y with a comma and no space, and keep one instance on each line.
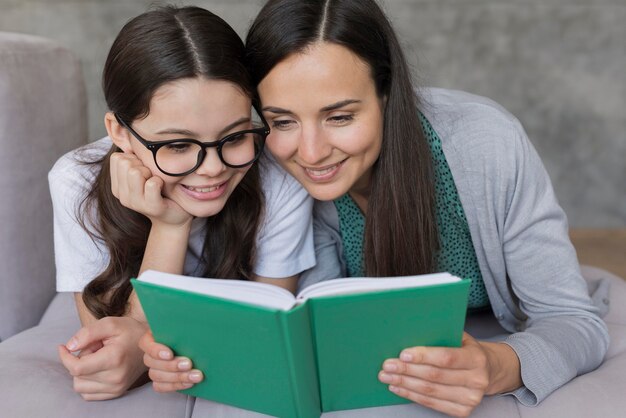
(277,184)
(80,162)
(78,168)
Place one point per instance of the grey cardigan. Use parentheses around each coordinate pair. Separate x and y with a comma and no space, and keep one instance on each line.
(520,236)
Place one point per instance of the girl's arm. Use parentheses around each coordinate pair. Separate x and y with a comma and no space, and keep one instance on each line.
(110,360)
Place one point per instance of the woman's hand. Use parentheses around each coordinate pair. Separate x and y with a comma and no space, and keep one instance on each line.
(109,361)
(453,380)
(168,373)
(137,189)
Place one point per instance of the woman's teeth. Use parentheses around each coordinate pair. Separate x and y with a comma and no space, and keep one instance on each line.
(318,173)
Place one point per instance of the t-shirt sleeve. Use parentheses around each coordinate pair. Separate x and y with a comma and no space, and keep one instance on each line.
(78,257)
(285,240)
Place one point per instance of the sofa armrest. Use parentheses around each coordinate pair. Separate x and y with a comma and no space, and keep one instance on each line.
(42,116)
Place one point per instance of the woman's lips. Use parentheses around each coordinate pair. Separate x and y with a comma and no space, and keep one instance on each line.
(326,173)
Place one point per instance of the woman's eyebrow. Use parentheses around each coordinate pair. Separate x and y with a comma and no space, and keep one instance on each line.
(277,110)
(329,108)
(188,133)
(339,105)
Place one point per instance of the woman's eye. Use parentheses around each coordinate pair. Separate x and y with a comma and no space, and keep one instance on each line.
(341,119)
(282,124)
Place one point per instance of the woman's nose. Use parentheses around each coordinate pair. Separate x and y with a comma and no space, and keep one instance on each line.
(313,147)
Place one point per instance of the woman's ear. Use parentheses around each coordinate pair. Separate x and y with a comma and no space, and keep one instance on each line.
(118,134)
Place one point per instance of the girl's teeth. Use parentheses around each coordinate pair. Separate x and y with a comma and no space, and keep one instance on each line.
(202,189)
(321,172)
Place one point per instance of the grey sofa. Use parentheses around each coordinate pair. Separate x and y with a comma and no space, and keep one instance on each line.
(42,116)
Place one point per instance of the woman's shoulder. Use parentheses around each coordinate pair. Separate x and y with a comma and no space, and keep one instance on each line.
(473,128)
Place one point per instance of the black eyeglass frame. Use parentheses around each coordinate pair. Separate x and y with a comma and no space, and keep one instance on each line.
(154,146)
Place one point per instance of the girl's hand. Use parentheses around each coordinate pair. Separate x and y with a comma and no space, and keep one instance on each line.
(137,189)
(168,373)
(109,361)
(453,380)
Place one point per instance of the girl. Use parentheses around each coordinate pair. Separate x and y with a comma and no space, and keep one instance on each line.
(412,184)
(174,188)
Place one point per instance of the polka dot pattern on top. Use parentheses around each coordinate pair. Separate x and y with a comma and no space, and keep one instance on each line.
(456,254)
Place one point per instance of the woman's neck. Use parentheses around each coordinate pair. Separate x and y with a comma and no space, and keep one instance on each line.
(360,191)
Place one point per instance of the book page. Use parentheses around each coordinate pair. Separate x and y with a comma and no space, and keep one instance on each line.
(369,284)
(254,293)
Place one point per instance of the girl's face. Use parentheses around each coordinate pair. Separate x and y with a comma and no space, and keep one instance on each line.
(201,109)
(326,119)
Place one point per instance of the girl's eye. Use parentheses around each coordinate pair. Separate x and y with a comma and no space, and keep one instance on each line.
(282,123)
(177,147)
(341,119)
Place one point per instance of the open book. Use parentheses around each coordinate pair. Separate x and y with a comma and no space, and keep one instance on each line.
(265,350)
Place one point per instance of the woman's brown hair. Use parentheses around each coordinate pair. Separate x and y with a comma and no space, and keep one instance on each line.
(400,229)
(157,47)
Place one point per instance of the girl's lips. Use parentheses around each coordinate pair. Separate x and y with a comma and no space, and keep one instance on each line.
(205,192)
(323,173)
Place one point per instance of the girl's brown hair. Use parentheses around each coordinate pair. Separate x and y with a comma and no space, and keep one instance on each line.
(157,47)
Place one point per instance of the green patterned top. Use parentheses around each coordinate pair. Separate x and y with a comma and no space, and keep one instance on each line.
(456,255)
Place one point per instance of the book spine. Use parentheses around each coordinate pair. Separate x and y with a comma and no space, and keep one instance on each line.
(301,363)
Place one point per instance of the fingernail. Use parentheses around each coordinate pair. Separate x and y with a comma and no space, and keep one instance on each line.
(195,376)
(184,365)
(187,385)
(165,355)
(384,377)
(394,389)
(406,356)
(390,367)
(72,344)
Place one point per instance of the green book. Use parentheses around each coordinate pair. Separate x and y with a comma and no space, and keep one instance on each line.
(263,349)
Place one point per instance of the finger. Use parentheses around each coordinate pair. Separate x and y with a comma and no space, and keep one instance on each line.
(453,377)
(89,365)
(68,359)
(178,364)
(100,396)
(443,357)
(170,387)
(124,164)
(100,330)
(113,173)
(90,386)
(152,193)
(115,162)
(455,394)
(137,177)
(192,376)
(447,407)
(154,349)
(90,349)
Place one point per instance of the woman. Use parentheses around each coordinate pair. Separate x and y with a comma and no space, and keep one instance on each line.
(409,185)
(174,189)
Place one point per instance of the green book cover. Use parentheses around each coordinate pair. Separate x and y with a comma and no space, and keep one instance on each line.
(323,354)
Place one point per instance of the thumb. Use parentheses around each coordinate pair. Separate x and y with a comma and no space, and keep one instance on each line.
(92,334)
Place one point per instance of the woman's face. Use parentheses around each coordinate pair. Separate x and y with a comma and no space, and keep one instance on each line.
(201,109)
(326,119)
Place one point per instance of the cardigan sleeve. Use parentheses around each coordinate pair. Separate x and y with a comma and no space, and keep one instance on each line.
(520,235)
(563,335)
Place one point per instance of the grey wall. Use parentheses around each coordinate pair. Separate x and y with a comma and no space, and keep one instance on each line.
(558,65)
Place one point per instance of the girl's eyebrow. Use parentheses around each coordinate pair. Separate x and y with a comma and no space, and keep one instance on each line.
(329,108)
(188,133)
